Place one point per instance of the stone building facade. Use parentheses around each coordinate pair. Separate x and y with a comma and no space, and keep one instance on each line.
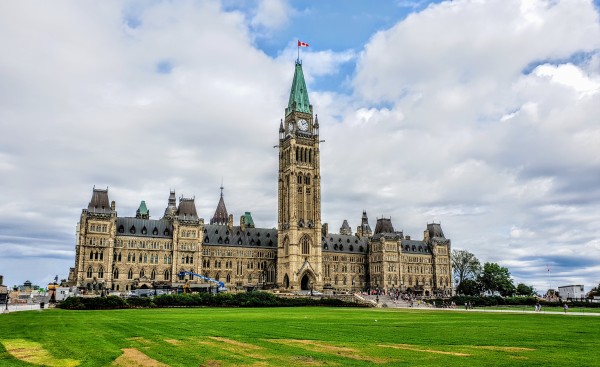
(124,253)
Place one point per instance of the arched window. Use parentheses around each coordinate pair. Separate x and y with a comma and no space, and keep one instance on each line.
(132,230)
(305,242)
(119,257)
(167,275)
(92,255)
(155,231)
(102,255)
(121,229)
(116,273)
(153,275)
(228,278)
(142,273)
(101,273)
(286,246)
(89,272)
(144,230)
(130,274)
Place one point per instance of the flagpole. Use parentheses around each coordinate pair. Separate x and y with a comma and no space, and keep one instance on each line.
(298,52)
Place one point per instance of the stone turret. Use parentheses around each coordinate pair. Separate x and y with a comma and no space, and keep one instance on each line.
(345,228)
(364,230)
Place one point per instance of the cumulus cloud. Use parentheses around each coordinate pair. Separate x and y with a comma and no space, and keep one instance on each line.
(271,14)
(475,133)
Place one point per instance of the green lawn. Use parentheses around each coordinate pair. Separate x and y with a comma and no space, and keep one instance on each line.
(310,336)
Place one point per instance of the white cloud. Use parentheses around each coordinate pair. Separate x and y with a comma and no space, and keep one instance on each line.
(271,14)
(571,76)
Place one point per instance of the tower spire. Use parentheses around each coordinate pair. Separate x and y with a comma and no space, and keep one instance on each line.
(221,215)
(298,101)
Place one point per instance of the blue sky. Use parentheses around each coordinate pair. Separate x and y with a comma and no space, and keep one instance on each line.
(478,115)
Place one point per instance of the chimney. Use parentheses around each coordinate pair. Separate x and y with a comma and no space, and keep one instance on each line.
(325,229)
(230,222)
(112,205)
(242,223)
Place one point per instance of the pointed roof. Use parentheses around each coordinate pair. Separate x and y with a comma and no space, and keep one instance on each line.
(187,209)
(99,202)
(345,228)
(221,215)
(298,95)
(384,225)
(142,211)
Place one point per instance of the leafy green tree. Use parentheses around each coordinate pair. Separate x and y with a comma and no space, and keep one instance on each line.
(495,278)
(468,287)
(594,292)
(465,265)
(525,290)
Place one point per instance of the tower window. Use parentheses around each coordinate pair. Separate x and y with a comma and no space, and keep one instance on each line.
(305,242)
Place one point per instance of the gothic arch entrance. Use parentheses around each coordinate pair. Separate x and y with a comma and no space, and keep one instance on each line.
(306,282)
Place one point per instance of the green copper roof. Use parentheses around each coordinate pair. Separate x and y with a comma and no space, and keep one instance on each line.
(143,209)
(248,222)
(298,94)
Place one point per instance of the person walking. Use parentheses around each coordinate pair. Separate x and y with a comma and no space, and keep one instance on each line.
(566,307)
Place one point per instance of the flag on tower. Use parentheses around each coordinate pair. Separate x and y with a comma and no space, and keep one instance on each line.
(302,44)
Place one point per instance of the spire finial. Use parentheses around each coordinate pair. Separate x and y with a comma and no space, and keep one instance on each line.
(221,186)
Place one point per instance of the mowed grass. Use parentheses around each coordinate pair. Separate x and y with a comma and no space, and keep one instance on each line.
(310,336)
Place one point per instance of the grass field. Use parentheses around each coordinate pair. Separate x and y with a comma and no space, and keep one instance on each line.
(310,336)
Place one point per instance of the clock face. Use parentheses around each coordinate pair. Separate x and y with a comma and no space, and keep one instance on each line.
(303,125)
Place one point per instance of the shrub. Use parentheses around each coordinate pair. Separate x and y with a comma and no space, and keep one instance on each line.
(251,299)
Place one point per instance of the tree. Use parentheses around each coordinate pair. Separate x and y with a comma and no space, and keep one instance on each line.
(594,292)
(525,290)
(465,265)
(468,287)
(495,278)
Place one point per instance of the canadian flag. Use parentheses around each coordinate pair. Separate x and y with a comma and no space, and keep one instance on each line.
(302,44)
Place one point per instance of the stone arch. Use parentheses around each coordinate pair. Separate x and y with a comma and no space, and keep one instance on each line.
(307,280)
(286,281)
(286,245)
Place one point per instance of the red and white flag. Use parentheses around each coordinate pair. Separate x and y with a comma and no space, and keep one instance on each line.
(302,44)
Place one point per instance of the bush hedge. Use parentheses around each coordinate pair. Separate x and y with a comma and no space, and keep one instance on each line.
(506,301)
(252,299)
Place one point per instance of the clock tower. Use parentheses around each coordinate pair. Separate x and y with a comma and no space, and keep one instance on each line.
(299,260)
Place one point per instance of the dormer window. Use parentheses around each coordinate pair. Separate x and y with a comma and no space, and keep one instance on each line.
(155,231)
(121,229)
(166,232)
(144,230)
(132,230)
